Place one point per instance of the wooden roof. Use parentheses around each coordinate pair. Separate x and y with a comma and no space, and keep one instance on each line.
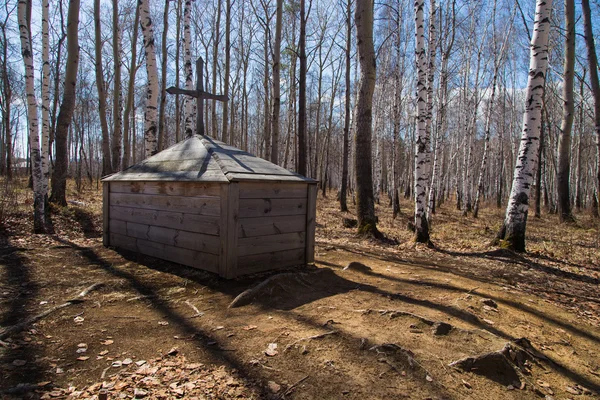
(203,159)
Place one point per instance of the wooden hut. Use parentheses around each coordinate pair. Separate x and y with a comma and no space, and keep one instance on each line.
(211,206)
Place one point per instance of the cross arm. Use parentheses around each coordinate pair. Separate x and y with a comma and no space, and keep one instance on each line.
(198,94)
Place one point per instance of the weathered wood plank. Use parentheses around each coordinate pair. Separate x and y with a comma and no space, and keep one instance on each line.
(118,226)
(167,188)
(196,259)
(171,237)
(267,190)
(311,214)
(191,205)
(106,213)
(208,225)
(194,176)
(273,260)
(223,235)
(250,227)
(232,229)
(123,241)
(271,207)
(266,244)
(237,176)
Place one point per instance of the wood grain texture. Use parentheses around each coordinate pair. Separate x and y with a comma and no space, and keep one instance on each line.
(231,270)
(191,205)
(271,207)
(106,213)
(191,258)
(223,222)
(172,237)
(267,244)
(311,214)
(208,225)
(168,188)
(268,190)
(250,227)
(267,261)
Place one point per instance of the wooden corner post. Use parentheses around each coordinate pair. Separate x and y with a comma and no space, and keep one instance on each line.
(105,213)
(311,215)
(228,259)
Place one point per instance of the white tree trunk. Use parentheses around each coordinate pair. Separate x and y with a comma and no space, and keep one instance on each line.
(39,225)
(45,97)
(421,159)
(151,114)
(515,222)
(188,111)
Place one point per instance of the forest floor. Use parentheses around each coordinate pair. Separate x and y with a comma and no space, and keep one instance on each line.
(375,330)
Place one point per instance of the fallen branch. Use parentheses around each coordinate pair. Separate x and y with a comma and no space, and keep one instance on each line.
(11,330)
(193,307)
(291,388)
(319,336)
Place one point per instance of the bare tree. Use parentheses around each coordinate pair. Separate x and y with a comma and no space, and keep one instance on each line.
(130,91)
(24,15)
(107,167)
(512,232)
(345,150)
(564,139)
(163,78)
(150,116)
(276,84)
(67,106)
(117,137)
(365,206)
(301,160)
(421,164)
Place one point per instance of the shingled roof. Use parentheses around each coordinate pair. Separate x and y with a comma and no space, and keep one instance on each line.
(203,159)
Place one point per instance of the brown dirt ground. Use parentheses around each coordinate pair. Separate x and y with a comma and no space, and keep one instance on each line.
(143,312)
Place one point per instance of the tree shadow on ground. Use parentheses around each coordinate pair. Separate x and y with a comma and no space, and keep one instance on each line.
(475,321)
(201,337)
(85,219)
(21,289)
(511,257)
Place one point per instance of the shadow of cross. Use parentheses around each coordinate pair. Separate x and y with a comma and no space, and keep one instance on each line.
(199,94)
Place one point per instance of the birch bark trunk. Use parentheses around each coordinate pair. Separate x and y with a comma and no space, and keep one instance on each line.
(188,109)
(150,115)
(421,165)
(513,229)
(45,99)
(24,16)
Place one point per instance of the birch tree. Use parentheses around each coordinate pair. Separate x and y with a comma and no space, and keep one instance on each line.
(188,110)
(45,98)
(39,225)
(150,116)
(512,232)
(421,164)
(564,139)
(365,206)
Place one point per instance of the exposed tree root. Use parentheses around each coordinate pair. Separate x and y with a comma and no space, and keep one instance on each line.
(505,366)
(277,283)
(319,336)
(11,330)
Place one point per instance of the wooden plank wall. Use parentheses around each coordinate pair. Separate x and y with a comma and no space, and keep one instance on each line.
(175,221)
(271,226)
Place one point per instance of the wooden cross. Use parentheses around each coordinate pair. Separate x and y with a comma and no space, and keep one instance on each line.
(199,94)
